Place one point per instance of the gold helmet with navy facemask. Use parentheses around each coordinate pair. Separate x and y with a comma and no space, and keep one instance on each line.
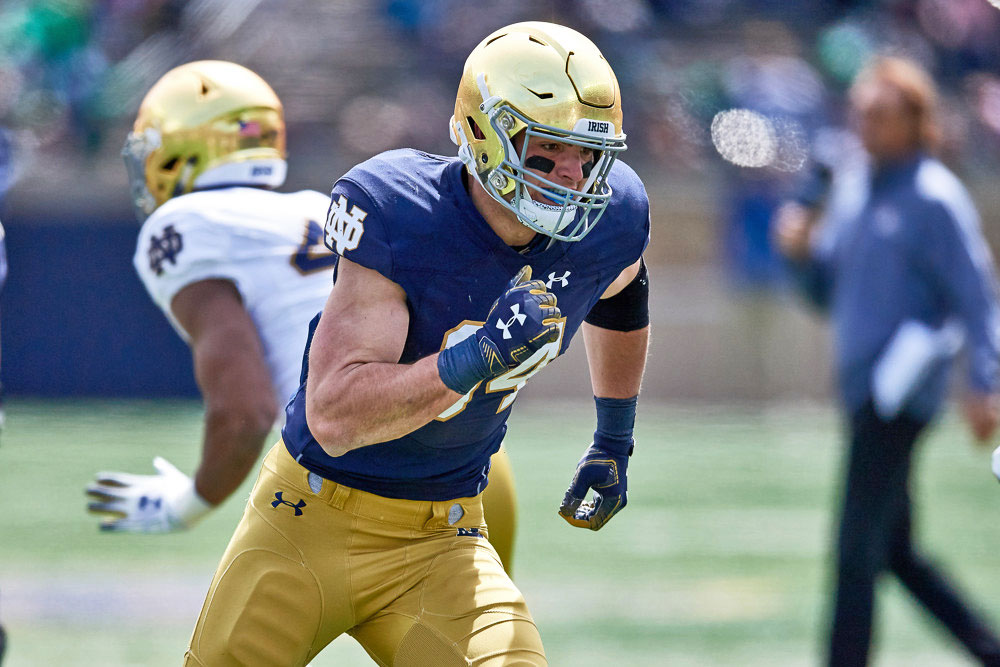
(204,124)
(549,81)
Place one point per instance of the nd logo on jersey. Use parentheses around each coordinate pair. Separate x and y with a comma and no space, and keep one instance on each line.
(343,230)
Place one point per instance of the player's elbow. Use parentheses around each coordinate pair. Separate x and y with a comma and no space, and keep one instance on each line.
(238,432)
(334,432)
(262,419)
(334,436)
(245,424)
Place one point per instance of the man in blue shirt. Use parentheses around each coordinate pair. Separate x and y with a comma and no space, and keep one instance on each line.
(902,267)
(458,280)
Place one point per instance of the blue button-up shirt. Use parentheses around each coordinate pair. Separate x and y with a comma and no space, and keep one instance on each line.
(898,243)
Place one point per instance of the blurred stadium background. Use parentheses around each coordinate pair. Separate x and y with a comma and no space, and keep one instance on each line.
(719,559)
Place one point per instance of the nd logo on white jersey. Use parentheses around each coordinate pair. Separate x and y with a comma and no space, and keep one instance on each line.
(562,280)
(517,316)
(343,230)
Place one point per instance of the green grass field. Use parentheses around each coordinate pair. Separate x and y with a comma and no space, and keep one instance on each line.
(719,559)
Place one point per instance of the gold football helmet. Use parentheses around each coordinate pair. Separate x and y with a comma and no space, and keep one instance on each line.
(549,81)
(204,124)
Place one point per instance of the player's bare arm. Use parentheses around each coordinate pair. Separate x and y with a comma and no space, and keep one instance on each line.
(616,358)
(357,393)
(616,336)
(229,367)
(239,413)
(982,413)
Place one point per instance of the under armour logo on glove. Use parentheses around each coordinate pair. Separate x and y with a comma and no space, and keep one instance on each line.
(484,354)
(159,503)
(278,500)
(343,229)
(145,502)
(562,280)
(517,317)
(164,248)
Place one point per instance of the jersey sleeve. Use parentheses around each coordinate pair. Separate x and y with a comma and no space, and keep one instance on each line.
(182,247)
(639,217)
(355,228)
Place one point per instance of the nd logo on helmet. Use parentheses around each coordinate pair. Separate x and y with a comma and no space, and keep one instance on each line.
(343,230)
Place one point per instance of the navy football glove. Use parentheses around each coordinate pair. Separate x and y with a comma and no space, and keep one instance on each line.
(520,322)
(604,472)
(603,467)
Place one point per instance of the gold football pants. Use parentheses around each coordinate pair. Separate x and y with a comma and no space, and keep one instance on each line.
(415,582)
(500,509)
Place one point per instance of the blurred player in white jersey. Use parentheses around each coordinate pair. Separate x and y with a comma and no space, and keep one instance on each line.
(239,270)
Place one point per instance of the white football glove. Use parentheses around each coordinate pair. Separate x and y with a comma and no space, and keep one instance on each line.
(996,462)
(159,503)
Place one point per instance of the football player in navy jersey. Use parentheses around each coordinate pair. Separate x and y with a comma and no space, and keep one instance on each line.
(458,279)
(238,269)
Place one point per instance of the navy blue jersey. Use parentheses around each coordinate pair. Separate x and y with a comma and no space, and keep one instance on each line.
(407,215)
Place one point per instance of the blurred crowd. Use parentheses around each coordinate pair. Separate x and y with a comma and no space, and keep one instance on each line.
(363,76)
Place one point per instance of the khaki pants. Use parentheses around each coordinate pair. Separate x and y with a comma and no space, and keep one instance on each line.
(415,582)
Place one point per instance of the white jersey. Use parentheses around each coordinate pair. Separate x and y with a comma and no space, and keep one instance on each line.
(268,244)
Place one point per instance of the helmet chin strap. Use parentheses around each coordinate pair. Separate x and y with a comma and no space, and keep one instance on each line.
(552,218)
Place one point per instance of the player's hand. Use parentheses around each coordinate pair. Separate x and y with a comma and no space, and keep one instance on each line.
(982,413)
(521,321)
(160,503)
(605,472)
(792,230)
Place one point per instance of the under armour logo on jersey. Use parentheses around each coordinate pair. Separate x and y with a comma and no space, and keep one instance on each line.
(517,316)
(343,229)
(562,280)
(278,500)
(164,248)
